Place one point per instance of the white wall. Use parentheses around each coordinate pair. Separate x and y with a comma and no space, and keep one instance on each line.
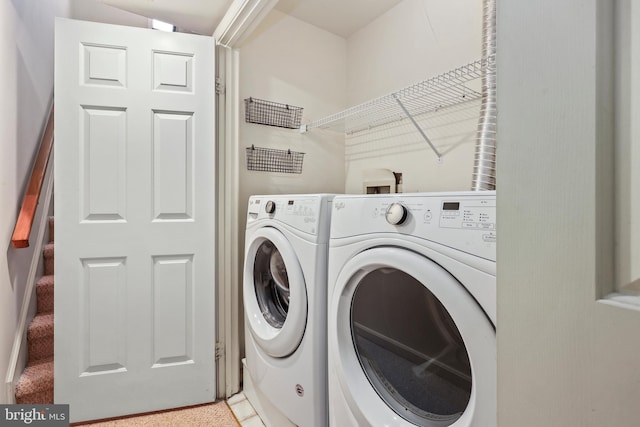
(288,61)
(412,42)
(564,357)
(26,84)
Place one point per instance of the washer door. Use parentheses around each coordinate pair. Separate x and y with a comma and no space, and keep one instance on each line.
(410,344)
(275,296)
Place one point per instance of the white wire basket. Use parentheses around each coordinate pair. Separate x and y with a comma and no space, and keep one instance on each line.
(272,113)
(273,160)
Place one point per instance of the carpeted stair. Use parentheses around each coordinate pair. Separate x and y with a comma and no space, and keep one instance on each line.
(36,382)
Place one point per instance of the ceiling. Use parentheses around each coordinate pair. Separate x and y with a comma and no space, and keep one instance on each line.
(195,16)
(341,17)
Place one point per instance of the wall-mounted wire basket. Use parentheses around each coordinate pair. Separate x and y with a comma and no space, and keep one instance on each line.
(272,113)
(272,160)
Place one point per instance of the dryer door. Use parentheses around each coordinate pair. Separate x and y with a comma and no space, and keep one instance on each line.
(411,346)
(275,296)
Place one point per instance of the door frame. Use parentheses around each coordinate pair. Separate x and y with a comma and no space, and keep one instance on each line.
(242,17)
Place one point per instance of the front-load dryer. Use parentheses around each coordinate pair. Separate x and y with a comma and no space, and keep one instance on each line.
(412,310)
(285,302)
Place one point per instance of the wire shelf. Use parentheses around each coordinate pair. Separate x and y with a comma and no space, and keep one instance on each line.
(444,90)
(272,113)
(272,160)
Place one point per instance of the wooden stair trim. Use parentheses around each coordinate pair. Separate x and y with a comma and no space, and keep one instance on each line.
(24,223)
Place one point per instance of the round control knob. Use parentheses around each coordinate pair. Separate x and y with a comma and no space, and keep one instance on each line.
(396,214)
(270,207)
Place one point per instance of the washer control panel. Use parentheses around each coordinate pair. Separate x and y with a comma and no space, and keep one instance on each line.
(302,212)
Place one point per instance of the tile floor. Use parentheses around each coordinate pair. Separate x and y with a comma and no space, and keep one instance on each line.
(243,411)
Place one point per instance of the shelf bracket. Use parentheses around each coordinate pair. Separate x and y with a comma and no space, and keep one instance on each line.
(410,117)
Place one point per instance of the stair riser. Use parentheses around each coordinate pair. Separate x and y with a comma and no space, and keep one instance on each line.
(36,383)
(38,398)
(40,348)
(45,304)
(51,229)
(48,265)
(45,298)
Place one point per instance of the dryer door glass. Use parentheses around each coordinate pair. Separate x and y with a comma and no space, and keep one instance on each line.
(410,348)
(271,284)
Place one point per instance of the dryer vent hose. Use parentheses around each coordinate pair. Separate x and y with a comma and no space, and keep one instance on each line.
(484,166)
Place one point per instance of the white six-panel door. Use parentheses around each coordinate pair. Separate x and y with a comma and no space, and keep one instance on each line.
(135,216)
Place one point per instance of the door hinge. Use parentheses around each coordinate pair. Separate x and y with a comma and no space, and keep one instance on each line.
(219,350)
(219,86)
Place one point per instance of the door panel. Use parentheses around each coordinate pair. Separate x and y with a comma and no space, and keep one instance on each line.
(135,217)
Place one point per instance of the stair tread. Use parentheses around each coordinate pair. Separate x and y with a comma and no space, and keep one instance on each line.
(36,378)
(45,280)
(48,249)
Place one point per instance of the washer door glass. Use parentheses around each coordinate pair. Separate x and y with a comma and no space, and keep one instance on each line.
(410,348)
(274,291)
(271,284)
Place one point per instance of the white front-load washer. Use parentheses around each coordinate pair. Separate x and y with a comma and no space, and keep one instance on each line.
(412,310)
(285,302)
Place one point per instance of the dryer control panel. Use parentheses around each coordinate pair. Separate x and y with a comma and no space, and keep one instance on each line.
(462,220)
(469,214)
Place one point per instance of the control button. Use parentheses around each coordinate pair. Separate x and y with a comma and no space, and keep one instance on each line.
(270,207)
(428,216)
(489,237)
(396,214)
(470,225)
(487,225)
